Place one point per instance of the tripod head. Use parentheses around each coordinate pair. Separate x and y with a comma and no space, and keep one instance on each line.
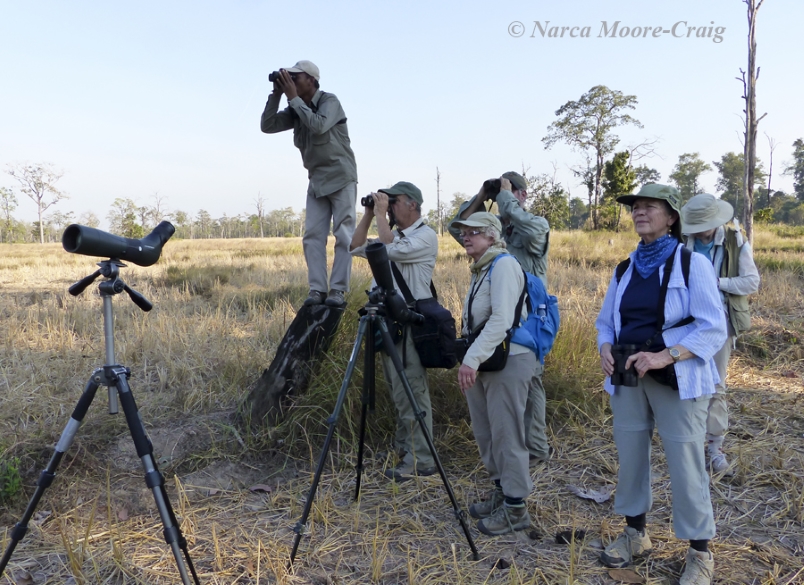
(113,285)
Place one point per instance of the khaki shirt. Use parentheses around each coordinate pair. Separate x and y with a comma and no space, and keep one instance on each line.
(320,133)
(494,303)
(526,236)
(414,252)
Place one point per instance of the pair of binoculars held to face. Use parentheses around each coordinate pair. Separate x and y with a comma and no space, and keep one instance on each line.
(622,376)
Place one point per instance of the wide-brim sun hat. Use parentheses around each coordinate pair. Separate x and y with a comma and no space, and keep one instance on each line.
(705,212)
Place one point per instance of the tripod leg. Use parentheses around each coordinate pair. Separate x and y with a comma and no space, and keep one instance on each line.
(49,473)
(390,350)
(332,421)
(367,399)
(153,478)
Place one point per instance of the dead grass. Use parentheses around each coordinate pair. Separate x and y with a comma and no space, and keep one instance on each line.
(221,308)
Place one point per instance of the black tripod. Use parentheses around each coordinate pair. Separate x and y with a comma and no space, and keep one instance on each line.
(372,322)
(115,377)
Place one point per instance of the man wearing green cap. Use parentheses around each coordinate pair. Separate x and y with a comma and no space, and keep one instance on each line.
(320,133)
(412,247)
(526,237)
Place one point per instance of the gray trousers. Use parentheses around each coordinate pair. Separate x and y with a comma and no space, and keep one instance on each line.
(682,426)
(535,425)
(337,209)
(497,407)
(409,435)
(717,422)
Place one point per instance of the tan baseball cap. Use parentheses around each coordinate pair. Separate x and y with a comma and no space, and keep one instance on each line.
(480,219)
(307,67)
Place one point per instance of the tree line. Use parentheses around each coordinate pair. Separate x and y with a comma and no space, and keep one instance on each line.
(588,125)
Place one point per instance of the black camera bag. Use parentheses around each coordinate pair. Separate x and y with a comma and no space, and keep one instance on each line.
(435,339)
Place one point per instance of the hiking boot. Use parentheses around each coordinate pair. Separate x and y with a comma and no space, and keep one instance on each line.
(405,471)
(314,297)
(488,507)
(536,460)
(699,568)
(630,544)
(720,464)
(335,299)
(717,458)
(506,519)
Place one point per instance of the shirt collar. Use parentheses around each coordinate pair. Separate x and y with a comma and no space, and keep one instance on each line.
(411,227)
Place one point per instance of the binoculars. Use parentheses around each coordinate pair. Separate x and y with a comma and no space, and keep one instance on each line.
(622,376)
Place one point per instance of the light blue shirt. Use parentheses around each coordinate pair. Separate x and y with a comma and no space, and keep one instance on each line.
(697,376)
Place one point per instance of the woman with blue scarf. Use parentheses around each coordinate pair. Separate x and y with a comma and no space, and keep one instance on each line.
(662,316)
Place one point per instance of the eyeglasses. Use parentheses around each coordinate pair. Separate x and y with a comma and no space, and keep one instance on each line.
(470,233)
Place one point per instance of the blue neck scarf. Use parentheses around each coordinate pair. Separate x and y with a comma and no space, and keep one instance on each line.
(650,256)
(705,249)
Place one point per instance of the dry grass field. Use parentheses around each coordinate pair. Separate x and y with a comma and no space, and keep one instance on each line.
(221,308)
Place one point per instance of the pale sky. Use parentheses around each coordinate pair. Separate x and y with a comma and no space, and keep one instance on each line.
(131,99)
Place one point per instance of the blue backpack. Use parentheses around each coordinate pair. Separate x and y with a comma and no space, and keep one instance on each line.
(537,332)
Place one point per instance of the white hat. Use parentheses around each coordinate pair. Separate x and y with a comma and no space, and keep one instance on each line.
(307,67)
(703,213)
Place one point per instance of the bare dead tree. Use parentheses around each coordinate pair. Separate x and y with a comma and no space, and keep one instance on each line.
(772,145)
(644,149)
(260,203)
(749,80)
(438,203)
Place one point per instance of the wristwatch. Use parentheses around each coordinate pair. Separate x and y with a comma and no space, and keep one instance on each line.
(675,354)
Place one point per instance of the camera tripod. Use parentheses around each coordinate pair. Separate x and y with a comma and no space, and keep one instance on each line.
(372,322)
(115,377)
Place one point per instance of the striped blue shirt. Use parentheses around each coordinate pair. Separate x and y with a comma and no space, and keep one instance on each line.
(697,376)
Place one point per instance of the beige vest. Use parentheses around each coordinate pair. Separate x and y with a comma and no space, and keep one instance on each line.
(739,315)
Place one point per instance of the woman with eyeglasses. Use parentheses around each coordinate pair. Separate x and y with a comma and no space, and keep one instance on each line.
(496,399)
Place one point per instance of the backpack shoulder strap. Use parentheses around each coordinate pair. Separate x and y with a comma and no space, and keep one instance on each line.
(621,268)
(686,258)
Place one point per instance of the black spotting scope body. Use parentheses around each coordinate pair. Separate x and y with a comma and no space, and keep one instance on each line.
(80,239)
(377,256)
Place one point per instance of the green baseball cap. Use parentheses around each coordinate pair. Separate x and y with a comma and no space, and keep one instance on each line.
(405,188)
(518,182)
(655,191)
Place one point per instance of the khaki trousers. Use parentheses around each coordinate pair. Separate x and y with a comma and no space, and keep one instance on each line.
(497,407)
(337,209)
(717,421)
(409,435)
(535,425)
(682,426)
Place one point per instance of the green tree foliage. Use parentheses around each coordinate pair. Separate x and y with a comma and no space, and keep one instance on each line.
(8,203)
(123,219)
(579,213)
(731,167)
(686,173)
(38,181)
(89,219)
(549,200)
(619,179)
(645,174)
(796,169)
(588,125)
